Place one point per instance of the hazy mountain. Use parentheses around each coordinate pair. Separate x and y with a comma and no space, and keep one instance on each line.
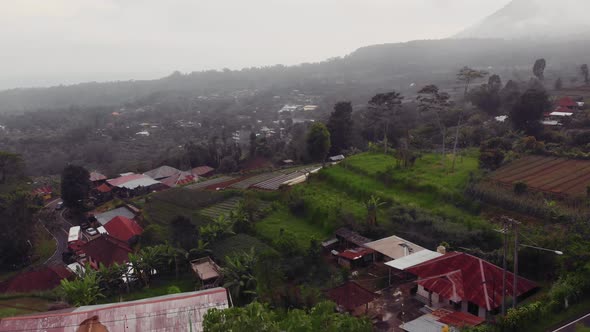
(536,19)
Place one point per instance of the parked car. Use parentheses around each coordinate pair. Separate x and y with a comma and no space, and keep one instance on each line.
(91,231)
(59,206)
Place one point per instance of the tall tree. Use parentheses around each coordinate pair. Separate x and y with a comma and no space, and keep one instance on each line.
(509,95)
(585,73)
(558,84)
(528,111)
(75,186)
(487,97)
(373,204)
(431,100)
(383,108)
(340,127)
(318,142)
(539,69)
(467,75)
(11,166)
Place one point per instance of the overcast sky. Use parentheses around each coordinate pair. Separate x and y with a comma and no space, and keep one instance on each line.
(47,42)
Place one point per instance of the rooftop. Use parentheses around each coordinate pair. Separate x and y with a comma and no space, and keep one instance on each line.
(132,181)
(107,216)
(107,250)
(176,312)
(350,296)
(202,170)
(394,247)
(35,280)
(122,228)
(95,176)
(459,276)
(162,172)
(414,259)
(352,237)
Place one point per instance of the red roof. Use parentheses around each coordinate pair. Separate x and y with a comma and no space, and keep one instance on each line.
(461,276)
(42,191)
(357,253)
(179,179)
(107,250)
(202,170)
(45,278)
(350,296)
(563,109)
(104,188)
(461,319)
(567,102)
(122,228)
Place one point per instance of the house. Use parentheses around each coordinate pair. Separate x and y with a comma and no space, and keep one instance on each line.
(465,283)
(203,171)
(104,249)
(123,229)
(207,272)
(103,192)
(351,297)
(162,172)
(97,178)
(131,184)
(567,102)
(357,257)
(44,278)
(43,192)
(350,239)
(179,179)
(181,312)
(107,216)
(393,247)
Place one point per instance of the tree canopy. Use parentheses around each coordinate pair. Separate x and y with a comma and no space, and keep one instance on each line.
(340,126)
(318,142)
(528,111)
(75,186)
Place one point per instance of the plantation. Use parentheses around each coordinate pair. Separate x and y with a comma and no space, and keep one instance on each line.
(558,176)
(222,208)
(236,244)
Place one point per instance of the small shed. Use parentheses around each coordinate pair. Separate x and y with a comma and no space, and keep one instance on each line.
(207,271)
(350,239)
(352,258)
(336,158)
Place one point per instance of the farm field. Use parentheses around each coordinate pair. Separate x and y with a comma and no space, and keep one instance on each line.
(552,175)
(271,226)
(222,208)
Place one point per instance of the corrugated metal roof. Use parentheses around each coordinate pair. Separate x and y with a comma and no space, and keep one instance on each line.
(413,259)
(96,176)
(426,323)
(133,181)
(176,312)
(394,247)
(162,172)
(105,217)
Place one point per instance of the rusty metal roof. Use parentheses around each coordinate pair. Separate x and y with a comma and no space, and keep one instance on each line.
(176,312)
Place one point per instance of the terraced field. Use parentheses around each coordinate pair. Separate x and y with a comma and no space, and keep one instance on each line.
(557,176)
(223,208)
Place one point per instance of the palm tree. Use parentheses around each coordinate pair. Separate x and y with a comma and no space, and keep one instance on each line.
(372,205)
(239,275)
(111,276)
(217,228)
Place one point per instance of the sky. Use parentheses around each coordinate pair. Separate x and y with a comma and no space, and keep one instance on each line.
(51,42)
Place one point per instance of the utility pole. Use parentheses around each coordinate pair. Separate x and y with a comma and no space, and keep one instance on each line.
(515,283)
(504,251)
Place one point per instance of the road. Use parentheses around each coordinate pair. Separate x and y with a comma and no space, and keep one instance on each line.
(59,229)
(571,326)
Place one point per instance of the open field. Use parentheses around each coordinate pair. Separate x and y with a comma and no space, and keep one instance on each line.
(16,305)
(236,244)
(271,226)
(557,176)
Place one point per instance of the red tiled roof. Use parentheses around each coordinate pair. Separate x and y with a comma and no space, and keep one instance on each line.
(350,295)
(202,170)
(461,319)
(566,102)
(357,253)
(122,228)
(45,278)
(104,188)
(107,250)
(468,278)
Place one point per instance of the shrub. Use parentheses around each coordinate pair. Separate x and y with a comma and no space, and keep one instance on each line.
(520,188)
(173,290)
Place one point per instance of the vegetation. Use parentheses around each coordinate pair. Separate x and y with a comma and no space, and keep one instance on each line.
(258,317)
(75,186)
(82,291)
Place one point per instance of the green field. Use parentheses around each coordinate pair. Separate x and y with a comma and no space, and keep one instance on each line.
(270,228)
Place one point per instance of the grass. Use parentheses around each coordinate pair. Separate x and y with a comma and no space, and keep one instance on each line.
(44,245)
(22,305)
(158,287)
(270,227)
(235,244)
(548,322)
